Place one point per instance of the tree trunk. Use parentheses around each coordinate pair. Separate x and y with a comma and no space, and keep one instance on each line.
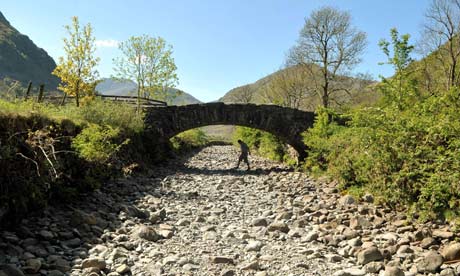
(138,98)
(77,94)
(325,98)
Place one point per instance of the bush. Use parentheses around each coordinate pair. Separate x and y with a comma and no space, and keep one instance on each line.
(403,150)
(264,144)
(315,138)
(188,140)
(97,143)
(403,156)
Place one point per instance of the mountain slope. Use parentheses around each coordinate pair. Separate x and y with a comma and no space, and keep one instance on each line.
(110,86)
(22,60)
(300,84)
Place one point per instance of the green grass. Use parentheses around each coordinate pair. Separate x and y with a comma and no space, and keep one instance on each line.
(117,115)
(188,140)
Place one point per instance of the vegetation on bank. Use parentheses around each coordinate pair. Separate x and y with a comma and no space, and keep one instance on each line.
(189,140)
(50,152)
(403,145)
(98,111)
(404,150)
(264,144)
(57,152)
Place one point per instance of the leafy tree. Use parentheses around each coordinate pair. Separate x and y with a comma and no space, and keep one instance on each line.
(149,62)
(328,40)
(400,88)
(77,69)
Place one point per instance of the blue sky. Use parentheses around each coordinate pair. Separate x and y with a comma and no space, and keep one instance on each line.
(218,45)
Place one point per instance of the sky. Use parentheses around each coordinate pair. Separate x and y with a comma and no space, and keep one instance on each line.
(218,45)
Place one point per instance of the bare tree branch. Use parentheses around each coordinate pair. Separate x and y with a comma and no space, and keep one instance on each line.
(329,41)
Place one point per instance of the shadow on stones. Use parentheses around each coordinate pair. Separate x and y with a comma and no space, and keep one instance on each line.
(235,172)
(61,238)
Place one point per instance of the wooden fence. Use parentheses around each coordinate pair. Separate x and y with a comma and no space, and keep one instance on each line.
(144,102)
(61,100)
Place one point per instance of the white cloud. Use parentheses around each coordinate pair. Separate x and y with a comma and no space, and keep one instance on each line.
(109,43)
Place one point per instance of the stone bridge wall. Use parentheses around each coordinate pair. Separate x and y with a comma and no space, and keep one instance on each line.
(285,123)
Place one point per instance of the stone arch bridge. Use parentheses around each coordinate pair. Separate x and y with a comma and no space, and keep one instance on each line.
(285,123)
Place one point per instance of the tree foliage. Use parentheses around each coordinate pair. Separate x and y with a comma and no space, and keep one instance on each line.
(328,40)
(400,89)
(77,69)
(148,61)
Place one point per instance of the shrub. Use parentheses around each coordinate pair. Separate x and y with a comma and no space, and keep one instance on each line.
(316,140)
(98,143)
(190,139)
(403,156)
(264,144)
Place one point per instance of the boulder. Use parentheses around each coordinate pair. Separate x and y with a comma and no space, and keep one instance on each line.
(369,255)
(146,233)
(451,252)
(430,263)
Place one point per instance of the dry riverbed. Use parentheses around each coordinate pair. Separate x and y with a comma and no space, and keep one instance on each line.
(201,217)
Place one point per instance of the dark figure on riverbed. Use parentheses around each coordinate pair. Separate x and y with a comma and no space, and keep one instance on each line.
(244,154)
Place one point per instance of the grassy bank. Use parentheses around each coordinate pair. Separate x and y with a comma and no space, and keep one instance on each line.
(50,152)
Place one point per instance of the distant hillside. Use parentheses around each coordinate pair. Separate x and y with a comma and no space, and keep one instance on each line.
(119,88)
(257,92)
(110,86)
(22,60)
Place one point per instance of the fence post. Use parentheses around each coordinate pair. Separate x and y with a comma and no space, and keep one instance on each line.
(29,87)
(64,98)
(40,93)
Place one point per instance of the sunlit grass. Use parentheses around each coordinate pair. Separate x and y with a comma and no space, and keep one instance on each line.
(99,112)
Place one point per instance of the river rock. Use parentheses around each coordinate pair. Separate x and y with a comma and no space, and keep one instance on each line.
(430,263)
(451,252)
(146,233)
(32,266)
(369,255)
(10,270)
(221,260)
(278,226)
(97,263)
(260,222)
(393,271)
(47,235)
(254,246)
(346,200)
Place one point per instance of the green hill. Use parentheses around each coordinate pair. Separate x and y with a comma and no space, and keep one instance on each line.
(22,60)
(270,89)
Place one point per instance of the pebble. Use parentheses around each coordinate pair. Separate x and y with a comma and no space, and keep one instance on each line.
(199,216)
(97,263)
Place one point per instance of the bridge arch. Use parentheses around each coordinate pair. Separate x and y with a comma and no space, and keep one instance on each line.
(285,123)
